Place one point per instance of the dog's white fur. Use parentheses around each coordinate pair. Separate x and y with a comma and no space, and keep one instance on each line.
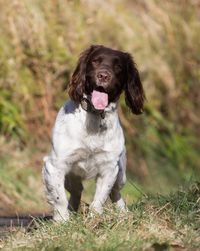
(85,146)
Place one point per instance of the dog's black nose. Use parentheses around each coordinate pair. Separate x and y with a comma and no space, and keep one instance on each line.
(103,76)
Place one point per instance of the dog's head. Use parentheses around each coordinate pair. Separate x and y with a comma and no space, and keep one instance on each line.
(103,74)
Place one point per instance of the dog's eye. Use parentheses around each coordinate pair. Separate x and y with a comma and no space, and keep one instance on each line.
(118,67)
(96,61)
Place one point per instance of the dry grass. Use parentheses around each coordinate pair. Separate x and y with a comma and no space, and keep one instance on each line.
(153,223)
(39,45)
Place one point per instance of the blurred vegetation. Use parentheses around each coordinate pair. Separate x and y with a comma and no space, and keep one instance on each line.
(39,46)
(20,186)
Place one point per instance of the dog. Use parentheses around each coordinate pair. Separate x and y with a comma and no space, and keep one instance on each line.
(88,140)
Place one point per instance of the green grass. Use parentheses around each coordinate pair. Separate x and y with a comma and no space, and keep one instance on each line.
(154,220)
(39,46)
(158,222)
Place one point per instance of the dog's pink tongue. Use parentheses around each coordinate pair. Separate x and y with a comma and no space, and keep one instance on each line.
(99,100)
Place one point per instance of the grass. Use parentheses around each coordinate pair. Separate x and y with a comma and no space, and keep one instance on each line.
(39,46)
(153,223)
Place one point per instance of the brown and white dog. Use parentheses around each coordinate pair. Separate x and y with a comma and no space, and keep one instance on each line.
(88,140)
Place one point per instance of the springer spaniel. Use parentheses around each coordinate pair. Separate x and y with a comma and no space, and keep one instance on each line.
(88,140)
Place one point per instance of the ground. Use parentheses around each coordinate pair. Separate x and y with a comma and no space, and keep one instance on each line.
(152,223)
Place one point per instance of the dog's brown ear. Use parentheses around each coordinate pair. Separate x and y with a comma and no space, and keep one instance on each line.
(77,83)
(134,93)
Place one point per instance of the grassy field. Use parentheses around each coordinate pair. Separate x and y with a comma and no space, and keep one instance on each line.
(40,42)
(153,223)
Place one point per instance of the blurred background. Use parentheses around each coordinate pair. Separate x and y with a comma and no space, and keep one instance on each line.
(40,42)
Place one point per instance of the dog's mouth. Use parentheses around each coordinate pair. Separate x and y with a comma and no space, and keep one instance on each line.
(99,98)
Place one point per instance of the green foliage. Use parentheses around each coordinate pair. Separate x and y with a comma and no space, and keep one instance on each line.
(18,180)
(172,143)
(11,121)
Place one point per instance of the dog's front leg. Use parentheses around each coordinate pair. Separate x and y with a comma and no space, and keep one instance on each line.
(104,184)
(53,177)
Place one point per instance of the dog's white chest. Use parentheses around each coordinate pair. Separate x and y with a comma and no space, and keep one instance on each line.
(87,163)
(86,143)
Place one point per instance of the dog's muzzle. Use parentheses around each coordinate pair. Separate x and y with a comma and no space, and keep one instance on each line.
(87,105)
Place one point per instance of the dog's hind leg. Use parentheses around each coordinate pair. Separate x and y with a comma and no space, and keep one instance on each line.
(53,177)
(74,186)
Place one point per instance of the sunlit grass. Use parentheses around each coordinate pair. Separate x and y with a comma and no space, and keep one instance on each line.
(40,42)
(163,221)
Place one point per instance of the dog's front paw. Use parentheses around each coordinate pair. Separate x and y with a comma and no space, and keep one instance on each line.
(60,216)
(95,208)
(121,206)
